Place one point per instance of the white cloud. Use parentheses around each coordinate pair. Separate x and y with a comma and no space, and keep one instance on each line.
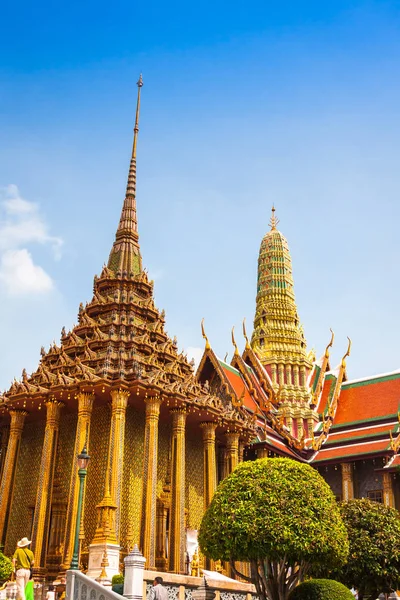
(21,225)
(195,353)
(21,276)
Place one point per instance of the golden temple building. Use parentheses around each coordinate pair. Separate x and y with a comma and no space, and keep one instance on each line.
(117,383)
(160,436)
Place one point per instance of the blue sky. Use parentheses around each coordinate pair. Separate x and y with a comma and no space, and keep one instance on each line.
(245,104)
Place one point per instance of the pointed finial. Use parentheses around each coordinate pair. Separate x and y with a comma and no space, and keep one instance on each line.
(203,333)
(330,344)
(245,333)
(347,353)
(273,221)
(234,342)
(136,128)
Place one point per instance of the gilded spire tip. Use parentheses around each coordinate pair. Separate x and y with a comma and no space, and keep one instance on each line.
(140,81)
(273,221)
(203,333)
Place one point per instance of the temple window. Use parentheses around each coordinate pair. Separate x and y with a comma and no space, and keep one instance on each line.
(375,495)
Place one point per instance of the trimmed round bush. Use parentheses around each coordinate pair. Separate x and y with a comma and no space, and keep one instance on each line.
(321,589)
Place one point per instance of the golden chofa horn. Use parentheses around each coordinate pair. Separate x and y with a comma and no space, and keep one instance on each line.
(203,333)
(234,341)
(347,352)
(330,343)
(245,333)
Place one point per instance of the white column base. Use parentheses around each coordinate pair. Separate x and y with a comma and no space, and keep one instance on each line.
(96,552)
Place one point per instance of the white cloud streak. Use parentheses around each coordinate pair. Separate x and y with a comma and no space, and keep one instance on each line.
(22,225)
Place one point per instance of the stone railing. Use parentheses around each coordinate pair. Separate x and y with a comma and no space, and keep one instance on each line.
(81,587)
(181,587)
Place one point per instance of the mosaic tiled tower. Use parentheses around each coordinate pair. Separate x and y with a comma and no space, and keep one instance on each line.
(278,337)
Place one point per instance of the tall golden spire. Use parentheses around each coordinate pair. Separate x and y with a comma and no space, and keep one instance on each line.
(125,259)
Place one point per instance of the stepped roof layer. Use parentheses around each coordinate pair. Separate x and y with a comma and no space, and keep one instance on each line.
(120,339)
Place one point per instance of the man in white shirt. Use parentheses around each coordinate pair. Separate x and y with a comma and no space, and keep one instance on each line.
(158,591)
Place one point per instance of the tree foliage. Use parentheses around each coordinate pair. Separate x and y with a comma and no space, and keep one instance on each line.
(321,589)
(281,516)
(374,558)
(6,567)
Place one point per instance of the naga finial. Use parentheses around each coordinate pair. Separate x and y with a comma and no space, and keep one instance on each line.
(347,353)
(330,343)
(203,333)
(273,221)
(234,342)
(245,333)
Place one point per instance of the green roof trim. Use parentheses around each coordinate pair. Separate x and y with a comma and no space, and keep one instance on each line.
(371,419)
(224,365)
(371,381)
(317,374)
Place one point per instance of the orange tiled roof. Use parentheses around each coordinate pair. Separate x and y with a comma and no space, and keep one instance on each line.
(327,391)
(362,448)
(368,399)
(361,432)
(238,385)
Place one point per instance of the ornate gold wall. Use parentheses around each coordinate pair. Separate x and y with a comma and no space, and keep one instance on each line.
(98,448)
(194,477)
(164,451)
(65,452)
(25,484)
(132,475)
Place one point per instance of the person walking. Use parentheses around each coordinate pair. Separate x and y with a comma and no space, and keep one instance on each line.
(158,591)
(23,561)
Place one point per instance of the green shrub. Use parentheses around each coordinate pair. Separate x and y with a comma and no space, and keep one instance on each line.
(117,579)
(321,589)
(6,567)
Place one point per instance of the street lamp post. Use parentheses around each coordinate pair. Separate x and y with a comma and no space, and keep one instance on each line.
(83,459)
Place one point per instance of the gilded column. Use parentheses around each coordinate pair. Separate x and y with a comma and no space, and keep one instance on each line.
(347,482)
(9,467)
(41,518)
(273,374)
(281,376)
(3,450)
(85,406)
(210,461)
(241,451)
(116,448)
(232,450)
(388,497)
(149,500)
(177,526)
(296,375)
(262,452)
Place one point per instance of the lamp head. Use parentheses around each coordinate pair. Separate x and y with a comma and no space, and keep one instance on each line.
(83,459)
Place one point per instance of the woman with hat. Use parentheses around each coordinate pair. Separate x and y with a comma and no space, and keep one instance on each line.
(23,560)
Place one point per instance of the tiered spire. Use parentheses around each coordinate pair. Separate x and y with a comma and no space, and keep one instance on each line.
(125,259)
(278,338)
(277,333)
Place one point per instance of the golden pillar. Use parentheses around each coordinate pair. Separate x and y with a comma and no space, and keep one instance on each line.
(85,406)
(41,518)
(3,450)
(149,500)
(210,461)
(9,467)
(347,482)
(232,451)
(388,497)
(177,522)
(116,448)
(262,452)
